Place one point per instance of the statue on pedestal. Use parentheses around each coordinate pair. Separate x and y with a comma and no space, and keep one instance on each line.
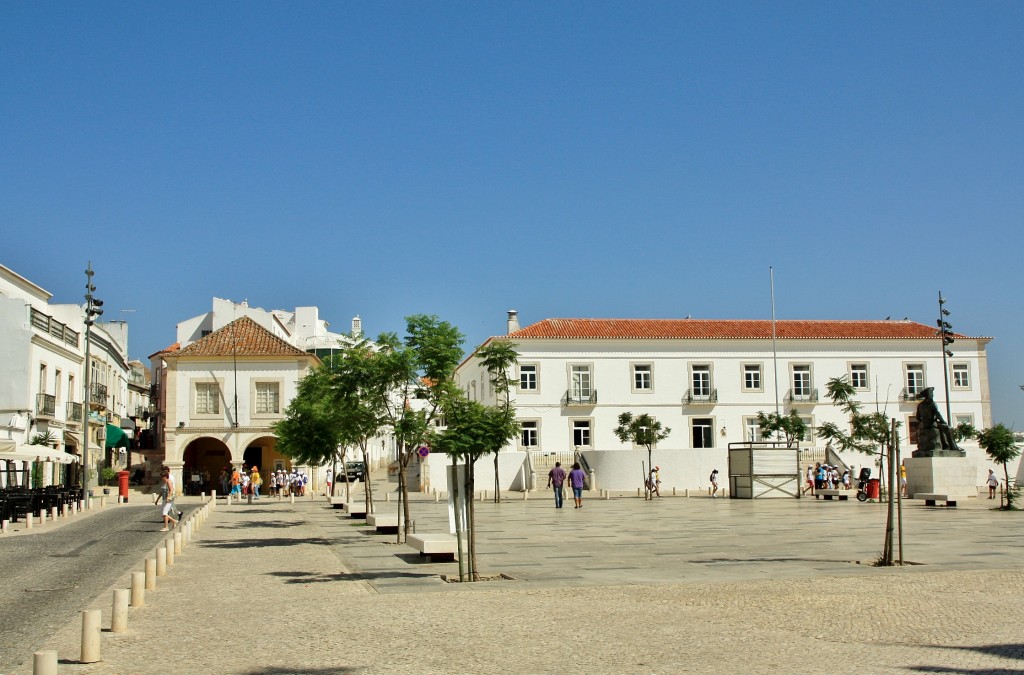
(934,437)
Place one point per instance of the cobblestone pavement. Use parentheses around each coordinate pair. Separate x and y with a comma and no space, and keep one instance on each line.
(297,588)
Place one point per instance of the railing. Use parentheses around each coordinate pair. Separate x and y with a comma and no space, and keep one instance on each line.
(908,395)
(50,326)
(46,405)
(577,398)
(75,412)
(98,394)
(140,411)
(692,398)
(803,396)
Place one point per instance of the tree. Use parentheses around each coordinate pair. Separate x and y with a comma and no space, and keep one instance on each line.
(642,430)
(472,431)
(998,443)
(791,426)
(498,358)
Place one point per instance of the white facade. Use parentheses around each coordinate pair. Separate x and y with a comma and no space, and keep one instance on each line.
(708,390)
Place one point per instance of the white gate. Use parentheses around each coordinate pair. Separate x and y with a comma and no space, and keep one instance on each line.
(765,470)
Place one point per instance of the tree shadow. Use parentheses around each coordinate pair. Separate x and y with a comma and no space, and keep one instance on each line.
(263,543)
(248,524)
(303,671)
(308,578)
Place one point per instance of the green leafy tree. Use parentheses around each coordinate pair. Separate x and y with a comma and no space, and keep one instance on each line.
(791,426)
(499,358)
(999,444)
(472,431)
(641,430)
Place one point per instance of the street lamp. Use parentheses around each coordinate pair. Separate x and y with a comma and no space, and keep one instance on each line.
(92,310)
(946,333)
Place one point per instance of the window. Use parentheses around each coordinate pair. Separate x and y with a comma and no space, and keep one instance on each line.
(527,377)
(703,432)
(963,419)
(801,381)
(859,375)
(700,377)
(751,430)
(642,377)
(809,433)
(42,379)
(204,333)
(529,435)
(961,376)
(752,377)
(915,378)
(580,383)
(71,387)
(268,398)
(56,387)
(207,398)
(912,426)
(581,433)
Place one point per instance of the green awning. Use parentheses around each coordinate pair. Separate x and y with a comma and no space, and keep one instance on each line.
(117,438)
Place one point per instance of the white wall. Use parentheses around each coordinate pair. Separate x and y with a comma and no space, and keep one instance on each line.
(511,470)
(622,469)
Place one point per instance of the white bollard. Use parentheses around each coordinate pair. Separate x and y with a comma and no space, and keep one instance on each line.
(44,663)
(169,547)
(526,495)
(673,492)
(138,589)
(161,561)
(4,525)
(150,574)
(177,543)
(437,497)
(119,612)
(28,521)
(687,491)
(213,500)
(90,635)
(291,497)
(54,513)
(387,496)
(103,501)
(42,517)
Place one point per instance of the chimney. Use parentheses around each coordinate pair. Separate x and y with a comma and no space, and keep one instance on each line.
(357,326)
(513,321)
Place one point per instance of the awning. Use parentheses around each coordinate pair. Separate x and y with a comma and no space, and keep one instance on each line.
(116,438)
(12,451)
(127,423)
(71,439)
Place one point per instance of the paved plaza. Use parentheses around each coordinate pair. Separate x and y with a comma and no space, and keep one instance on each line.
(620,586)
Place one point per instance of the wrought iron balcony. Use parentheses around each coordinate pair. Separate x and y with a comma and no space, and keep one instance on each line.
(701,397)
(808,396)
(577,398)
(46,405)
(98,394)
(75,412)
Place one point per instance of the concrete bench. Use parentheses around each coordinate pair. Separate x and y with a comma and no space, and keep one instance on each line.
(434,545)
(930,498)
(354,509)
(383,522)
(841,495)
(336,502)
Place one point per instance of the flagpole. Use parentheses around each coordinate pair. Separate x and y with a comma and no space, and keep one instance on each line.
(775,353)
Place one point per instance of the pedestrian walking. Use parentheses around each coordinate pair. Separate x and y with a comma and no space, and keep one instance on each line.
(236,482)
(993,482)
(903,481)
(653,481)
(556,479)
(167,490)
(329,483)
(714,483)
(576,481)
(256,481)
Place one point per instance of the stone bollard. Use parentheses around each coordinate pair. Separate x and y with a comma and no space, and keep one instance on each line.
(81,505)
(526,495)
(437,497)
(607,494)
(228,497)
(54,513)
(138,589)
(119,612)
(103,501)
(44,663)
(291,497)
(42,517)
(161,561)
(4,526)
(387,496)
(150,574)
(687,493)
(213,500)
(28,521)
(169,547)
(673,492)
(177,543)
(91,635)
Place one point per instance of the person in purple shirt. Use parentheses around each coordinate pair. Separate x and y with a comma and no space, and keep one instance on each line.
(576,478)
(556,478)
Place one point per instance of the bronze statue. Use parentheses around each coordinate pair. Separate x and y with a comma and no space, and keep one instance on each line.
(934,437)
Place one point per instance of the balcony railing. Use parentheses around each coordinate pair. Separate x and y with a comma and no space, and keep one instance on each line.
(75,412)
(577,398)
(908,395)
(54,328)
(802,396)
(701,397)
(98,394)
(46,405)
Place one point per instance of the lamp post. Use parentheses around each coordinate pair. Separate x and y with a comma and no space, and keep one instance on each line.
(92,310)
(945,333)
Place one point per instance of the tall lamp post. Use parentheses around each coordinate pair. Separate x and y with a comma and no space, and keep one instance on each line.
(946,333)
(92,310)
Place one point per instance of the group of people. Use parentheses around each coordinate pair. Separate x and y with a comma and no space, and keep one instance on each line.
(826,477)
(577,479)
(239,481)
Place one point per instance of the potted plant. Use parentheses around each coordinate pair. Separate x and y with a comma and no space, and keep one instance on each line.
(108,474)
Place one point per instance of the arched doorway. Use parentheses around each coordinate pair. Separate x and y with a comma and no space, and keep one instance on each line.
(262,452)
(204,459)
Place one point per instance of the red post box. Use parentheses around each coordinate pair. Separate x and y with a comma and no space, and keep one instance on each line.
(873,488)
(122,486)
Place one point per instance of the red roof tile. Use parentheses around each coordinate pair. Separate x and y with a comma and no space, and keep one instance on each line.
(719,329)
(241,337)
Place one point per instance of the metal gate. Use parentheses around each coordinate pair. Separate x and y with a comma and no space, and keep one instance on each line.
(765,470)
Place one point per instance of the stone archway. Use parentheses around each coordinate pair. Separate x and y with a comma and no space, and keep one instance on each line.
(262,451)
(204,458)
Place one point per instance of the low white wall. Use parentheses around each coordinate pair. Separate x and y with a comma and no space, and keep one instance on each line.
(511,471)
(681,469)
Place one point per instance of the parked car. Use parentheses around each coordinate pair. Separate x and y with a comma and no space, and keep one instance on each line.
(355,471)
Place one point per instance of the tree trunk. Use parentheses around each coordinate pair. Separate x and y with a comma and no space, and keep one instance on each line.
(366,478)
(458,519)
(471,520)
(497,483)
(403,485)
(1006,483)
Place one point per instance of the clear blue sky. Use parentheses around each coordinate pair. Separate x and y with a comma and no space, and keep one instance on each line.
(576,159)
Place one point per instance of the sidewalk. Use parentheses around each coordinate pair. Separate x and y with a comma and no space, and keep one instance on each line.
(297,588)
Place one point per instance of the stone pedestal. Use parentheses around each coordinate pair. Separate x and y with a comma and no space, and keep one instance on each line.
(953,476)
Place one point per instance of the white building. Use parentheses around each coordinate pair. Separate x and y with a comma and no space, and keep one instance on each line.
(706,380)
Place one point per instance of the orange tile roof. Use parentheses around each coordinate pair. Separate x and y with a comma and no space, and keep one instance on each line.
(241,337)
(173,348)
(721,329)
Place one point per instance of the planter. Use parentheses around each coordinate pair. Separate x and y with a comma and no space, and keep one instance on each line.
(106,491)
